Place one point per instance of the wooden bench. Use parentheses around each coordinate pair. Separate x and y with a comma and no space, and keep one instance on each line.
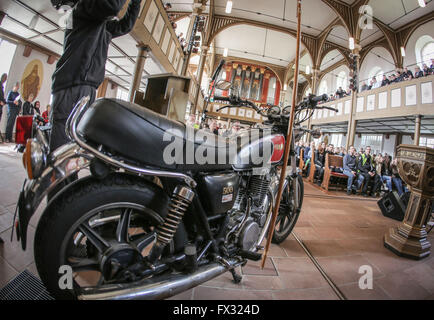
(301,162)
(311,176)
(332,161)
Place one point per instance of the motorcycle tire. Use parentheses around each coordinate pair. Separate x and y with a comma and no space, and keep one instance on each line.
(55,227)
(289,223)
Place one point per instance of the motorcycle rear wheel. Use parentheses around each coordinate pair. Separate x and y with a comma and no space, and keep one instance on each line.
(80,227)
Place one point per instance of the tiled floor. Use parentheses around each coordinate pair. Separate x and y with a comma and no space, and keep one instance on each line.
(342,233)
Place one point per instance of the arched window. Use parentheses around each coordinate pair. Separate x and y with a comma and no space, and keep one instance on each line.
(424,50)
(271,90)
(342,80)
(376,72)
(308,91)
(428,53)
(323,88)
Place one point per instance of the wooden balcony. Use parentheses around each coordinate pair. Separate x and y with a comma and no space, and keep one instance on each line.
(153,28)
(407,98)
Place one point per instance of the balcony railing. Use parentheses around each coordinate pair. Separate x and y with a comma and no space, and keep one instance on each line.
(153,28)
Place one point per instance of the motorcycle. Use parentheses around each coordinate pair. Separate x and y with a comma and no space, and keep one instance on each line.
(132,225)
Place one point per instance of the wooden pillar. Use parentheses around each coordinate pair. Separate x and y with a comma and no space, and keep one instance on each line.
(352,123)
(201,67)
(417,129)
(416,168)
(142,54)
(102,89)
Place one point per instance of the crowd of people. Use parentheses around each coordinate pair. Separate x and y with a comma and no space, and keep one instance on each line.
(15,107)
(365,171)
(399,76)
(215,127)
(396,77)
(172,17)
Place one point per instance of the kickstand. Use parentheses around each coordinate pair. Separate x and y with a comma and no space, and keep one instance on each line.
(236,277)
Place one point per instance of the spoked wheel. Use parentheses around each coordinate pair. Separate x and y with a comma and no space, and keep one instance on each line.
(105,242)
(290,206)
(101,232)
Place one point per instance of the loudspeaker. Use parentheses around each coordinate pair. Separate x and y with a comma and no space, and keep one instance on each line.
(392,206)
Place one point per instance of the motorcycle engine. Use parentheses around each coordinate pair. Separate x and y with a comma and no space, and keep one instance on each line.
(245,227)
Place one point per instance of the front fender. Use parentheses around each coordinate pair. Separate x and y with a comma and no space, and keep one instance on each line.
(62,163)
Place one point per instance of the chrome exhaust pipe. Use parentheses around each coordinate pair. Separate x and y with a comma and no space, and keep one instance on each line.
(160,287)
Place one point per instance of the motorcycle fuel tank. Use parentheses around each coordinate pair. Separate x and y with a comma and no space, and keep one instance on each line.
(258,148)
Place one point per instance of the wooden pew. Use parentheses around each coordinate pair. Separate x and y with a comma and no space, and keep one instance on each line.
(301,163)
(332,161)
(311,176)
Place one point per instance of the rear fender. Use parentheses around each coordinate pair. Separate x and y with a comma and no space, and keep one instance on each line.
(63,163)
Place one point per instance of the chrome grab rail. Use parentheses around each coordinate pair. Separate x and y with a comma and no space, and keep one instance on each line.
(72,126)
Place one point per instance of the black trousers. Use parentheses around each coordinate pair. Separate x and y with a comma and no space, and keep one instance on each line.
(375,180)
(64,102)
(319,172)
(12,116)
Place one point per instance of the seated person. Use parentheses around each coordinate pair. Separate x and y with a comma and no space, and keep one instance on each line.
(350,169)
(308,157)
(320,155)
(46,114)
(396,179)
(386,172)
(367,173)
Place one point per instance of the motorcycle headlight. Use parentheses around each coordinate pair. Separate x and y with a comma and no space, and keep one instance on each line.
(34,158)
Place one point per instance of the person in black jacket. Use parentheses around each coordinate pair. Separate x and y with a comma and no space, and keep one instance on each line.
(14,107)
(2,97)
(81,69)
(366,169)
(418,73)
(28,107)
(320,155)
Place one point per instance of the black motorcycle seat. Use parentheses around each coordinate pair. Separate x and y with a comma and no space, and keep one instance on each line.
(147,137)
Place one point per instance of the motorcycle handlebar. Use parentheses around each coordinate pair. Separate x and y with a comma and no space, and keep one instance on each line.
(321,98)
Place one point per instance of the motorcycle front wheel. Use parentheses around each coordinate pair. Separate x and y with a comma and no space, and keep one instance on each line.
(95,232)
(289,210)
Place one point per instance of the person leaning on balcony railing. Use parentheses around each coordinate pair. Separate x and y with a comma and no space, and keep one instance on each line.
(385,81)
(426,71)
(375,83)
(408,74)
(418,73)
(340,93)
(364,87)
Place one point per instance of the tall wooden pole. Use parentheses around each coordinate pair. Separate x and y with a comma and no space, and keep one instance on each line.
(288,139)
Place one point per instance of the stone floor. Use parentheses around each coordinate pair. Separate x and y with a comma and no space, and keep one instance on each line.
(342,232)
